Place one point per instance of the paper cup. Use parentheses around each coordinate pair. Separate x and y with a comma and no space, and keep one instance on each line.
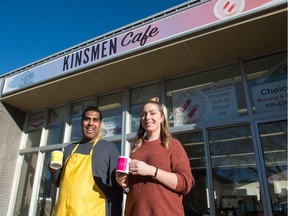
(56,159)
(123,164)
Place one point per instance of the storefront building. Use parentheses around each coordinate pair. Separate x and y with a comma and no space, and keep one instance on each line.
(220,69)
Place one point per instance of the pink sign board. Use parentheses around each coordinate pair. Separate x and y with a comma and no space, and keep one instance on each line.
(191,20)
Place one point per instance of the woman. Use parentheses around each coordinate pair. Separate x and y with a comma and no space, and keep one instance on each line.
(160,171)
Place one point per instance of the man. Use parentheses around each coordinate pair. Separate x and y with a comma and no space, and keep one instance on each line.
(87,184)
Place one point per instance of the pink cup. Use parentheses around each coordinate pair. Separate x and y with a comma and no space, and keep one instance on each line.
(123,164)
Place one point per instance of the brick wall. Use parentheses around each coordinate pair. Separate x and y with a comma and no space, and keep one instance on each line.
(11,125)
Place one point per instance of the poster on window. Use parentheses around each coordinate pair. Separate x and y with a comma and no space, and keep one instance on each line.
(270,96)
(206,103)
(111,126)
(36,121)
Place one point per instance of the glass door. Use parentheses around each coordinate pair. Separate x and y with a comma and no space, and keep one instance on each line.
(196,202)
(234,172)
(273,137)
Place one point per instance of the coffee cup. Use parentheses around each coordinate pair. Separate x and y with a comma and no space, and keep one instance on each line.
(56,159)
(123,164)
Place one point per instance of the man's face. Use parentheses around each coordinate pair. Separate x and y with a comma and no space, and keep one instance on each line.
(91,126)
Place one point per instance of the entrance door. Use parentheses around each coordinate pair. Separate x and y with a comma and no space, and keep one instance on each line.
(234,169)
(273,139)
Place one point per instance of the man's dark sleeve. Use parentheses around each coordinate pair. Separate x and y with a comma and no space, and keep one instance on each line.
(117,192)
(105,157)
(55,177)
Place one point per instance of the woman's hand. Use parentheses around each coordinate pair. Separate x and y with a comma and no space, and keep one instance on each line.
(168,179)
(137,167)
(122,179)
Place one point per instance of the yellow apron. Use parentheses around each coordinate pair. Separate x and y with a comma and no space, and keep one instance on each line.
(78,193)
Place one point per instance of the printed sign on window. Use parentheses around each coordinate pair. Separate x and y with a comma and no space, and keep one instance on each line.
(210,102)
(111,126)
(270,96)
(36,121)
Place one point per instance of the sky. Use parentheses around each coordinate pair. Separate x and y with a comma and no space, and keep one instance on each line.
(32,30)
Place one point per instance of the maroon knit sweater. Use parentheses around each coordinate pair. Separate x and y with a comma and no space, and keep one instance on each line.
(148,197)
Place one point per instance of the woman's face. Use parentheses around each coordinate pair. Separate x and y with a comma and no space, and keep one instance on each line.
(151,118)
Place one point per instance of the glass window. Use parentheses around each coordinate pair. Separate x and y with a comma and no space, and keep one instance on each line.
(36,121)
(196,201)
(33,139)
(268,82)
(235,177)
(76,115)
(274,145)
(138,97)
(34,128)
(56,125)
(25,184)
(47,192)
(111,108)
(208,96)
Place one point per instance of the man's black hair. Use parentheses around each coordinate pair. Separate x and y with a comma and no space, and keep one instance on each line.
(92,108)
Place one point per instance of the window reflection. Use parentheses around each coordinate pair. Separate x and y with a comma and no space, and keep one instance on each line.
(274,144)
(268,82)
(34,128)
(111,108)
(47,192)
(25,185)
(33,139)
(235,177)
(196,201)
(56,125)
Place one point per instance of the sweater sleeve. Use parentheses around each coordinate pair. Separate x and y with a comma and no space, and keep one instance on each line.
(181,167)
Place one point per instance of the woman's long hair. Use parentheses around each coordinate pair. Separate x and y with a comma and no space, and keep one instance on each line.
(165,134)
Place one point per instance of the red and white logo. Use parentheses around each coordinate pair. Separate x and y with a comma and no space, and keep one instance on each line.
(228,8)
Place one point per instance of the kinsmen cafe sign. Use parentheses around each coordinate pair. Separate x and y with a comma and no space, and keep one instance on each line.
(185,22)
(107,48)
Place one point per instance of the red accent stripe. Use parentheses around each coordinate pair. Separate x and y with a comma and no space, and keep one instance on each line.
(226,5)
